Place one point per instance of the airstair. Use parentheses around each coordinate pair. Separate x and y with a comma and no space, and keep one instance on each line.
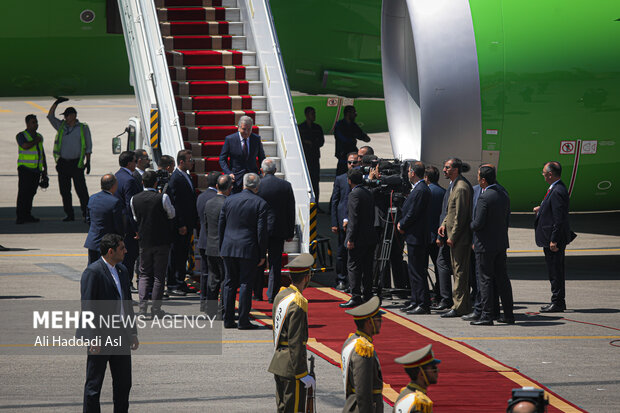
(197,66)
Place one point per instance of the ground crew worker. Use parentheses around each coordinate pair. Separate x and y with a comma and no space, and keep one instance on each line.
(290,335)
(421,366)
(72,149)
(361,371)
(31,164)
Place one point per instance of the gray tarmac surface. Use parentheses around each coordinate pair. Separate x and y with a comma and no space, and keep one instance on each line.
(575,354)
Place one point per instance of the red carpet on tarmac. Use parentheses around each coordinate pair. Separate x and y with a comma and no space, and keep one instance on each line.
(469,380)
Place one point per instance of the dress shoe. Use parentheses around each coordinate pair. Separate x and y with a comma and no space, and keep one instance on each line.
(248,327)
(158,313)
(544,307)
(165,296)
(177,293)
(440,306)
(554,308)
(185,288)
(506,320)
(230,325)
(68,218)
(450,314)
(471,317)
(341,286)
(482,323)
(353,302)
(409,307)
(419,310)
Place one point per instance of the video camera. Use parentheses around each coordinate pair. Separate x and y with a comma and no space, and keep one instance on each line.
(392,175)
(163,177)
(529,394)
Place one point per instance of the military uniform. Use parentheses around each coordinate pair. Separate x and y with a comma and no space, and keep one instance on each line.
(361,371)
(413,398)
(288,365)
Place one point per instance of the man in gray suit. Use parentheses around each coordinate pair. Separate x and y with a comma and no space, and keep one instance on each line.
(243,241)
(211,217)
(201,201)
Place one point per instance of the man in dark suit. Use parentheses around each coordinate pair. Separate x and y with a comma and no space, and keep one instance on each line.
(360,239)
(104,214)
(414,225)
(202,200)
(127,188)
(217,271)
(243,230)
(431,177)
(107,279)
(312,139)
(490,226)
(346,135)
(278,194)
(338,202)
(183,196)
(142,163)
(242,153)
(553,234)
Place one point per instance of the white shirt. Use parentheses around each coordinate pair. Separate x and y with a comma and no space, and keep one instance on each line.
(186,175)
(117,281)
(165,202)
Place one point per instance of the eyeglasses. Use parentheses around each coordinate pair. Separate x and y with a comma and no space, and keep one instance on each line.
(447,167)
(352,162)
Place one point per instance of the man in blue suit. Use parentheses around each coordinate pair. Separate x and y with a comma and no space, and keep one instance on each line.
(278,194)
(208,194)
(553,234)
(242,153)
(431,177)
(414,225)
(243,229)
(104,214)
(127,188)
(183,196)
(339,202)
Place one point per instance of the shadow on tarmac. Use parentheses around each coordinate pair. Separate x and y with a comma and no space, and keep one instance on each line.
(604,223)
(51,222)
(584,267)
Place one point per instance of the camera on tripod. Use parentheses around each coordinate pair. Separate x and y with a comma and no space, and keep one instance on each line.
(392,174)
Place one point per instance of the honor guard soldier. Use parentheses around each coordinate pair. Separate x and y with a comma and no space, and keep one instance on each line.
(421,366)
(361,371)
(290,335)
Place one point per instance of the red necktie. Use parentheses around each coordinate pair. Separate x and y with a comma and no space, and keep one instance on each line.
(548,190)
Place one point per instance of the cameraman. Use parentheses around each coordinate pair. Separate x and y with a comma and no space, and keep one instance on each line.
(384,199)
(165,169)
(527,400)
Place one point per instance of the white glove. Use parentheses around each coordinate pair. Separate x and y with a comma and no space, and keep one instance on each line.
(308,381)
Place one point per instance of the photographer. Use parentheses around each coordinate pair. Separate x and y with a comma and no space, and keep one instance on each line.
(166,167)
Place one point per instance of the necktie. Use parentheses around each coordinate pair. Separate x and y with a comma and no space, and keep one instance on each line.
(548,190)
(244,148)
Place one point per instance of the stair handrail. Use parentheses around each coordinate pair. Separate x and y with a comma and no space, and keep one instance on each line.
(149,72)
(257,19)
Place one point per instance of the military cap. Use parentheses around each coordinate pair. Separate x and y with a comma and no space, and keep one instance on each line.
(418,358)
(300,264)
(366,310)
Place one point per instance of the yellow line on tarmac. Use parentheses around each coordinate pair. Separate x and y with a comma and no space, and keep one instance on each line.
(541,338)
(6,110)
(43,255)
(41,108)
(481,358)
(575,250)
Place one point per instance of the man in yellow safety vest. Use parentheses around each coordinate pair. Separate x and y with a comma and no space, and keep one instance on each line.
(30,165)
(72,149)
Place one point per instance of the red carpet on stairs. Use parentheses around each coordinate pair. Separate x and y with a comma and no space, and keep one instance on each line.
(469,380)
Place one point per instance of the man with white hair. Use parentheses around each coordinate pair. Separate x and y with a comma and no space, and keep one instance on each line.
(279,196)
(242,152)
(243,241)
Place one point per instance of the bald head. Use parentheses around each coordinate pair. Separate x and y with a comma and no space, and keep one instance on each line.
(524,407)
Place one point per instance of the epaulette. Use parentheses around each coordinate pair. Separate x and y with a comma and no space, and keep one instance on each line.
(364,347)
(301,302)
(282,288)
(422,403)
